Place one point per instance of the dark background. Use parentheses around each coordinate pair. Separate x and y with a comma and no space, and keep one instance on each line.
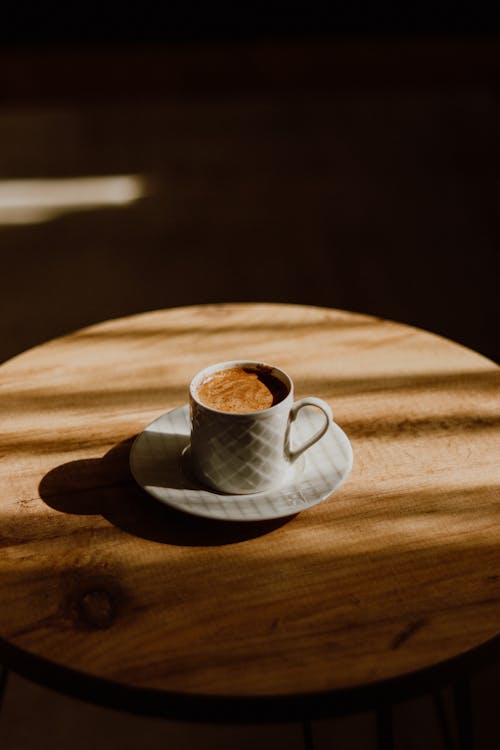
(335,154)
(159,20)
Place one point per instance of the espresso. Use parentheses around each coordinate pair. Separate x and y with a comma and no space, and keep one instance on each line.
(241,389)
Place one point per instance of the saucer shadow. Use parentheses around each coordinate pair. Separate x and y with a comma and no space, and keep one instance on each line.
(105,486)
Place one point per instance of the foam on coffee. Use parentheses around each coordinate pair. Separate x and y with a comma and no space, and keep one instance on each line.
(241,389)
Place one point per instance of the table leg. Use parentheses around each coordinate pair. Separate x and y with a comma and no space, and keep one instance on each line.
(385,738)
(463,713)
(443,720)
(3,682)
(308,735)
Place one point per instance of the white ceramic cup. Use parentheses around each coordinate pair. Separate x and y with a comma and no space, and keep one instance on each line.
(244,453)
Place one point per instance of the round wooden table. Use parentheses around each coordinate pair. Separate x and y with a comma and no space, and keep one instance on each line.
(390,583)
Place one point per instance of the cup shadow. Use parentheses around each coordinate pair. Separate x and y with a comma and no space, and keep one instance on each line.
(105,486)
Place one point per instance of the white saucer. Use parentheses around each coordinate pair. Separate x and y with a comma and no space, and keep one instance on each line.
(158,466)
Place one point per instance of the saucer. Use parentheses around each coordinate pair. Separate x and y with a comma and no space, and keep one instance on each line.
(159,461)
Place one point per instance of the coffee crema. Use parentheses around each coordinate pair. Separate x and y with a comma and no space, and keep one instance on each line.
(238,390)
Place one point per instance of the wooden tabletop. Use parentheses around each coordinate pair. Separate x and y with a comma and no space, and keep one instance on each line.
(103,588)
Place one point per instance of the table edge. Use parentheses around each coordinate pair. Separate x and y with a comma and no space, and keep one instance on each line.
(224,709)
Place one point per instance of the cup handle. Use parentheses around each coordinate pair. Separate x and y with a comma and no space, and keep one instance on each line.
(292,455)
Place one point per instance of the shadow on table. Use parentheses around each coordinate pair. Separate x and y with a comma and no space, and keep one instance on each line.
(104,486)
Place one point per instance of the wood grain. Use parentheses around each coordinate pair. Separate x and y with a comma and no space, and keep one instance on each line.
(397,572)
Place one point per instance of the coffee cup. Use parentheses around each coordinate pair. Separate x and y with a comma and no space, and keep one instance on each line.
(242,414)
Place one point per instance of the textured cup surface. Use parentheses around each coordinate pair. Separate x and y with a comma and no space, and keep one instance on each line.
(242,453)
